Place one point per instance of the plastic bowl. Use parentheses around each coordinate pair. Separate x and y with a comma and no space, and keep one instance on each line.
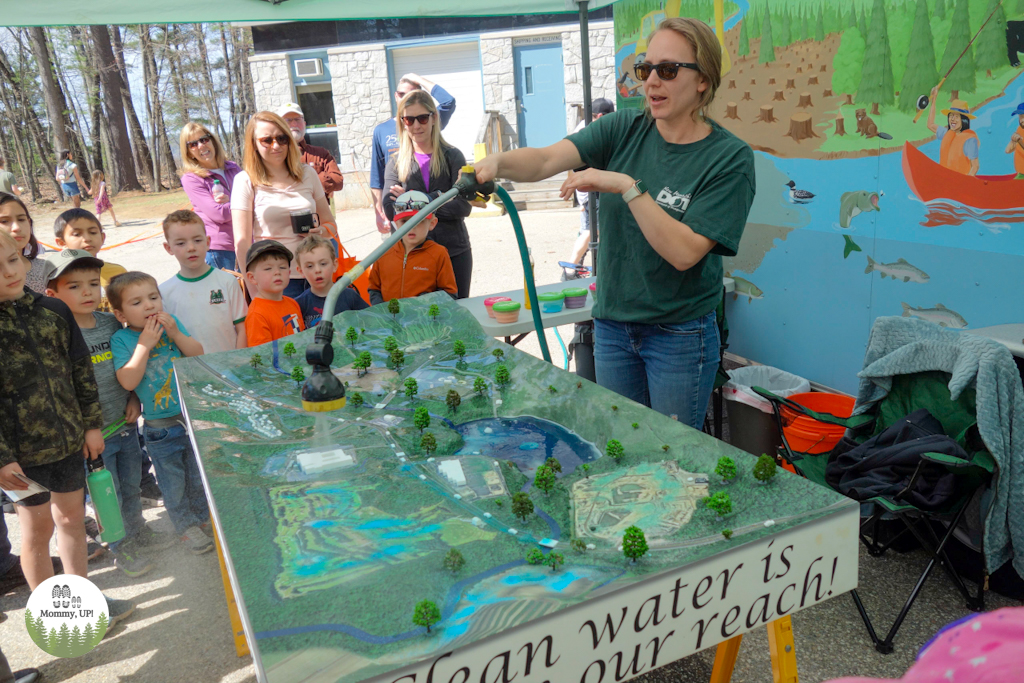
(489,303)
(593,291)
(506,311)
(551,302)
(575,297)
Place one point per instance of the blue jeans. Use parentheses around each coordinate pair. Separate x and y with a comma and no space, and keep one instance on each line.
(177,474)
(295,287)
(221,258)
(670,368)
(122,457)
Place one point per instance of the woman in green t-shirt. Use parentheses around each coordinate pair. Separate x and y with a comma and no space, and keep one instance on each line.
(660,262)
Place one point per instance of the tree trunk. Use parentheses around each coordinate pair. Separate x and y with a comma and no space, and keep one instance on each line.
(767,114)
(874,109)
(953,95)
(80,150)
(209,91)
(771,81)
(17,133)
(746,96)
(124,176)
(143,157)
(790,84)
(56,106)
(30,125)
(827,93)
(174,63)
(849,99)
(240,46)
(799,69)
(753,81)
(801,127)
(805,100)
(840,126)
(813,80)
(236,136)
(730,111)
(778,97)
(732,85)
(91,78)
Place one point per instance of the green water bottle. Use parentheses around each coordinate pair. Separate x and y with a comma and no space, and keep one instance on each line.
(104,500)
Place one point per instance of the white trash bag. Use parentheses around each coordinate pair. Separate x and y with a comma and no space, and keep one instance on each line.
(739,386)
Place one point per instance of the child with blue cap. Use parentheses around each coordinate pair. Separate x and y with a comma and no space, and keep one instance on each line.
(1016,145)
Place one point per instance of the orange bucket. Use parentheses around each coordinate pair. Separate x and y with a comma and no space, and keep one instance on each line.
(806,435)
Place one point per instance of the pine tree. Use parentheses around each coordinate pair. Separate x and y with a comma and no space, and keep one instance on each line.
(804,35)
(744,47)
(63,642)
(940,10)
(862,23)
(848,63)
(819,27)
(767,55)
(990,45)
(920,75)
(53,642)
(851,22)
(876,80)
(31,626)
(101,626)
(962,77)
(88,635)
(76,644)
(786,34)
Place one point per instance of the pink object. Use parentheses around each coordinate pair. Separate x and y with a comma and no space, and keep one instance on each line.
(489,303)
(593,289)
(982,649)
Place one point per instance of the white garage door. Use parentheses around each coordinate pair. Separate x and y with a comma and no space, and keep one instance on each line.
(456,68)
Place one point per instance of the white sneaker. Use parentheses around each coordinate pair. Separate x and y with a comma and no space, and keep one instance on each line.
(197,541)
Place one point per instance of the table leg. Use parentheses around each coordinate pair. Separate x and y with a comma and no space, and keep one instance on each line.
(512,342)
(783,650)
(241,647)
(725,659)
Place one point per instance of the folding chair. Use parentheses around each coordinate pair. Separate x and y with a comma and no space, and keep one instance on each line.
(909,393)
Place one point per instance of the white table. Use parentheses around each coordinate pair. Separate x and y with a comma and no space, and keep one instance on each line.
(524,325)
(1010,336)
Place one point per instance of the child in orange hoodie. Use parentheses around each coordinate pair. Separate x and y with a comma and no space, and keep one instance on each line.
(415,265)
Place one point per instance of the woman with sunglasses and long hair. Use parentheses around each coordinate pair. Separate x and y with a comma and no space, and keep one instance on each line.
(675,189)
(273,185)
(207,178)
(427,163)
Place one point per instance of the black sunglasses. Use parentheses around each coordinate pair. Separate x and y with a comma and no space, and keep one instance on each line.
(192,144)
(281,140)
(666,70)
(422,119)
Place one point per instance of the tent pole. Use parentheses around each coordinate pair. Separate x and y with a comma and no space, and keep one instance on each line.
(587,116)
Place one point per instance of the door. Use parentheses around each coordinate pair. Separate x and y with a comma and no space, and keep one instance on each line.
(540,94)
(456,68)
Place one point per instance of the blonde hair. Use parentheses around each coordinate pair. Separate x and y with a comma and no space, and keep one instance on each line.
(120,283)
(404,162)
(7,242)
(97,178)
(708,54)
(189,164)
(312,242)
(252,162)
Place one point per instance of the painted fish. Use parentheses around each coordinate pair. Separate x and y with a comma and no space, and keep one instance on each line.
(853,203)
(746,288)
(940,315)
(900,270)
(849,246)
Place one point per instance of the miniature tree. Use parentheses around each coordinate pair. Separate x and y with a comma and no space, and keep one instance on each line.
(498,354)
(411,387)
(454,561)
(636,425)
(726,468)
(499,502)
(555,560)
(453,400)
(578,545)
(551,388)
(362,363)
(459,349)
(522,506)
(421,418)
(394,308)
(634,543)
(480,386)
(390,343)
(298,375)
(288,350)
(428,443)
(555,466)
(766,53)
(727,533)
(765,468)
(744,47)
(351,336)
(398,359)
(719,503)
(544,479)
(586,470)
(426,613)
(615,408)
(356,400)
(256,360)
(535,556)
(614,450)
(502,376)
(434,311)
(665,448)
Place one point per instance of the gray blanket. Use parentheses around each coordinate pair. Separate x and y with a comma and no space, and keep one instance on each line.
(900,346)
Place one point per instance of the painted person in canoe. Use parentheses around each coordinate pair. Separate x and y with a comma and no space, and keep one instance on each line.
(960,146)
(1016,146)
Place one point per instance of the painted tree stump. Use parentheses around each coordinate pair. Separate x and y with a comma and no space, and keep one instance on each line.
(801,127)
(771,81)
(767,114)
(746,96)
(730,111)
(827,93)
(849,99)
(813,80)
(799,70)
(810,65)
(753,81)
(823,67)
(778,97)
(732,85)
(805,100)
(790,84)
(874,109)
(840,126)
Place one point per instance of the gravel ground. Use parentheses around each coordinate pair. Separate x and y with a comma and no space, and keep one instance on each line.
(180,629)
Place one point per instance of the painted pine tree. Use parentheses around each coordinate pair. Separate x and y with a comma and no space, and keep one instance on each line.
(804,35)
(990,45)
(744,47)
(819,26)
(851,21)
(876,80)
(786,34)
(862,23)
(52,641)
(77,646)
(101,627)
(88,635)
(940,10)
(962,77)
(920,75)
(33,629)
(63,642)
(767,55)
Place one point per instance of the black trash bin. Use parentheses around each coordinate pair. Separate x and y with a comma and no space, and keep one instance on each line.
(752,426)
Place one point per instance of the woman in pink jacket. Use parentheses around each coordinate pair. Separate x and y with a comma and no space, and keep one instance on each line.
(207,178)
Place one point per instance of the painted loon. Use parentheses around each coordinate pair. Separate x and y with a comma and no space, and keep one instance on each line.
(798,196)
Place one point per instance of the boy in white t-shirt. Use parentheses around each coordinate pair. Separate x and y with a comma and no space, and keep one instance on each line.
(209,301)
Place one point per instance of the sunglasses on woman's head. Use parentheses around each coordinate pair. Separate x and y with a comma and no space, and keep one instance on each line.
(281,140)
(192,144)
(666,70)
(422,119)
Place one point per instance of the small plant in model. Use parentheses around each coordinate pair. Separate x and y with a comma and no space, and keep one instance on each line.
(615,407)
(535,556)
(428,443)
(362,363)
(726,468)
(634,543)
(398,359)
(498,354)
(454,561)
(459,349)
(522,506)
(453,400)
(555,560)
(665,448)
(544,479)
(579,385)
(434,311)
(615,450)
(480,386)
(586,470)
(390,343)
(256,360)
(719,503)
(411,387)
(421,418)
(288,350)
(727,533)
(765,468)
(351,336)
(578,545)
(502,376)
(636,425)
(551,388)
(298,375)
(356,400)
(554,465)
(499,502)
(394,308)
(426,614)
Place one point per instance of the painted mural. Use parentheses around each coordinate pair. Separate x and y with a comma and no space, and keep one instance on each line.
(890,166)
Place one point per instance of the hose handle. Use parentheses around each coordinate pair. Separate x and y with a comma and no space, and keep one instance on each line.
(469,188)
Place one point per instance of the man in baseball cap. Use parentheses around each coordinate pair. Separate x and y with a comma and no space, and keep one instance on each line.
(319,158)
(1016,145)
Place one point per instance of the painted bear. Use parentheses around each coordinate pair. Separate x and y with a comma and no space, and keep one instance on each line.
(1014,40)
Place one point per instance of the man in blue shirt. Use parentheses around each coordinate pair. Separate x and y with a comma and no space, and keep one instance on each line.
(385,137)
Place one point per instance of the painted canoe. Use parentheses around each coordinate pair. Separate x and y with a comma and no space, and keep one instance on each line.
(928,180)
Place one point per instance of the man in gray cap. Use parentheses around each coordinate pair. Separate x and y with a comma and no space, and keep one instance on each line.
(318,157)
(598,108)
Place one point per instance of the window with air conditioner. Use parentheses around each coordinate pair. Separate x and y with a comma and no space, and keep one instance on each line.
(307,68)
